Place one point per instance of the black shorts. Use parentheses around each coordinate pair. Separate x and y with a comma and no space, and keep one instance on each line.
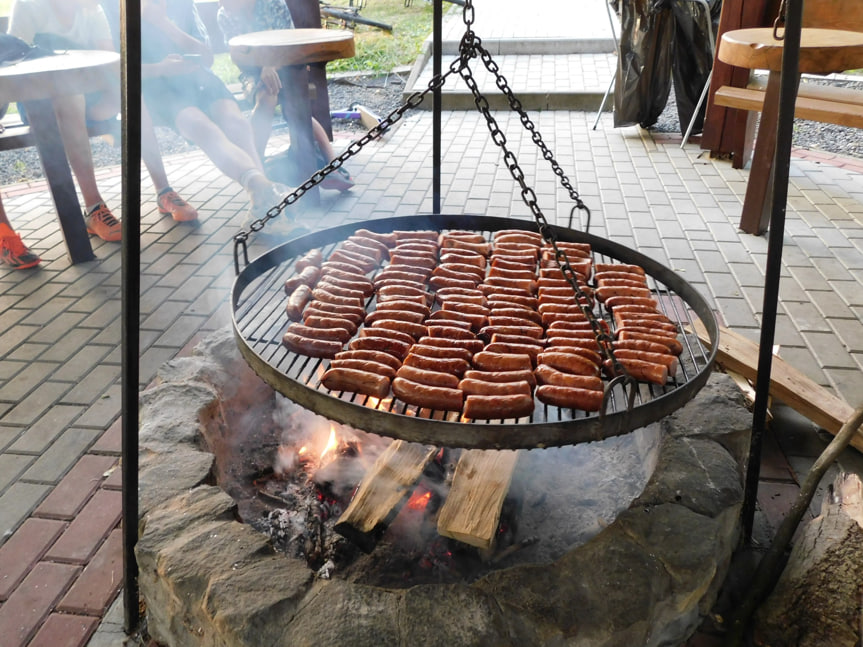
(167,96)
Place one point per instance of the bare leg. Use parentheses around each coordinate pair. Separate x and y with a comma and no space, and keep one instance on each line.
(231,159)
(150,151)
(70,112)
(261,118)
(236,128)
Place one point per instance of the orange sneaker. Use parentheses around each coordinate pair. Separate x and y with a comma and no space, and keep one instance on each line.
(13,252)
(101,222)
(171,203)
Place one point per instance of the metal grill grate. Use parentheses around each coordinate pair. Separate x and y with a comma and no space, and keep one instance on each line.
(260,321)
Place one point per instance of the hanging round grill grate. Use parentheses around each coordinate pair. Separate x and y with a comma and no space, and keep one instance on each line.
(259,315)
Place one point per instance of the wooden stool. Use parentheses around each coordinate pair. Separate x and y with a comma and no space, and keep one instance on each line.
(291,50)
(822,51)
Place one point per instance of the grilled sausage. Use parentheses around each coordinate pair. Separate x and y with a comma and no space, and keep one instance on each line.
(329,322)
(570,397)
(490,361)
(524,375)
(640,370)
(334,334)
(431,378)
(375,356)
(356,314)
(297,301)
(498,407)
(398,315)
(356,381)
(451,365)
(424,395)
(393,347)
(549,375)
(437,351)
(378,368)
(308,276)
(568,362)
(415,330)
(327,296)
(311,258)
(311,347)
(412,306)
(473,345)
(472,386)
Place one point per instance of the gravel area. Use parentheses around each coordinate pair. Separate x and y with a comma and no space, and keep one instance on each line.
(382,94)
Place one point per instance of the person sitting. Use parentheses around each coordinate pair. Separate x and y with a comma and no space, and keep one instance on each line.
(182,92)
(81,24)
(13,252)
(264,87)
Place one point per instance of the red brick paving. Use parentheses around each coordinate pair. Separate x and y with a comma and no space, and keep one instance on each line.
(64,630)
(76,488)
(22,614)
(89,529)
(23,550)
(95,589)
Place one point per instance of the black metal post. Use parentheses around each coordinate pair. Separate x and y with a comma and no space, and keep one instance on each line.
(785,122)
(437,54)
(130,48)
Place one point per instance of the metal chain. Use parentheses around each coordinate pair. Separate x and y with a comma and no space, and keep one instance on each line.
(354,148)
(529,198)
(471,47)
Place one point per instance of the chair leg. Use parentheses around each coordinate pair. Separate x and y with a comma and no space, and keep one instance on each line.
(602,104)
(698,105)
(617,50)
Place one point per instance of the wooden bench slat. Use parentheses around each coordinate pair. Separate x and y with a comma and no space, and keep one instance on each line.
(811,105)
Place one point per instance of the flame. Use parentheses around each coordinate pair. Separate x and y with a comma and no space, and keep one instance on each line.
(419,501)
(332,443)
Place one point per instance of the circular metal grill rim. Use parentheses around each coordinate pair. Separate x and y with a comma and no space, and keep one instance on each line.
(473,434)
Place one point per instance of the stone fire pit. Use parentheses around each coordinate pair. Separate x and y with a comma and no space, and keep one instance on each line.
(646,579)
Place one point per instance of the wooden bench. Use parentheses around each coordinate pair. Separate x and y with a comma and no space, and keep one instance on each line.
(816,102)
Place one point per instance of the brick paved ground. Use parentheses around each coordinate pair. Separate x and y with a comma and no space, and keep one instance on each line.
(60,335)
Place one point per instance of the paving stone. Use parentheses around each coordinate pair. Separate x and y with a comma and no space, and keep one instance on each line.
(90,527)
(43,432)
(65,630)
(110,442)
(12,466)
(23,549)
(16,504)
(22,614)
(100,581)
(76,488)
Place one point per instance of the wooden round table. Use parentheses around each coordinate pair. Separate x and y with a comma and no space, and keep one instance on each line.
(291,51)
(36,83)
(822,51)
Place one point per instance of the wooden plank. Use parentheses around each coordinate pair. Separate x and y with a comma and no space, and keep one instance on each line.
(481,481)
(381,492)
(826,107)
(787,384)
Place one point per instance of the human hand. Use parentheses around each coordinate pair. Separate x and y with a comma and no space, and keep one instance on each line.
(270,80)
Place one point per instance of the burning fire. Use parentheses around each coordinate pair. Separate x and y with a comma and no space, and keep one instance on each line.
(419,501)
(331,445)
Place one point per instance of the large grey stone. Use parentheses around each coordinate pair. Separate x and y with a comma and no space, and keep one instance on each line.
(646,579)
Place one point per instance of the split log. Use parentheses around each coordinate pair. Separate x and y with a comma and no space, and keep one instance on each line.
(382,491)
(817,599)
(471,513)
(787,384)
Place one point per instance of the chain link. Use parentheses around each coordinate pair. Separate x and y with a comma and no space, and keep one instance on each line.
(470,47)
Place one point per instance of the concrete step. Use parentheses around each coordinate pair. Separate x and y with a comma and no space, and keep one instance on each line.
(541,81)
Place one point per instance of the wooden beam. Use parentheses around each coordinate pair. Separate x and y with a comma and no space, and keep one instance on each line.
(787,384)
(381,492)
(471,513)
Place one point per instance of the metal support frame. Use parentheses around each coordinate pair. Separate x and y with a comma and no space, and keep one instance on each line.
(130,49)
(706,88)
(772,275)
(613,76)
